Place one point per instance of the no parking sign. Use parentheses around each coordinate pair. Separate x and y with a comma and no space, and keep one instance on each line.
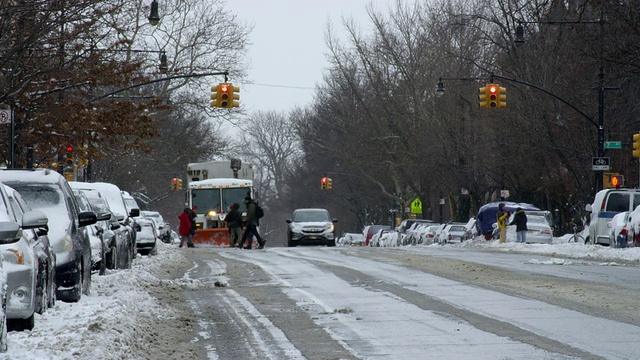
(5,117)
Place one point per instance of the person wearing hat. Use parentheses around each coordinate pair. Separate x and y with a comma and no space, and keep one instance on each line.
(502,218)
(251,226)
(234,222)
(520,221)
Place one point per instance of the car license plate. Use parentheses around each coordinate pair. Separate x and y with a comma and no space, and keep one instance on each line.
(312,237)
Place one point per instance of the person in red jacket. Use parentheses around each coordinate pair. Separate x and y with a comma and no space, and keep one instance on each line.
(184,229)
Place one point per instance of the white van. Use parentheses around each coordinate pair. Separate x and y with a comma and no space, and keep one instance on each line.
(606,205)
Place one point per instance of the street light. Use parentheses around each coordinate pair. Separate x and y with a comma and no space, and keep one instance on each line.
(519,40)
(154,17)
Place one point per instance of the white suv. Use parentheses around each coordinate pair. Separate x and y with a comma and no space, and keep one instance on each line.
(312,227)
(606,205)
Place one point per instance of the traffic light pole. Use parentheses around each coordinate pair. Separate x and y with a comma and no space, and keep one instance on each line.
(225,73)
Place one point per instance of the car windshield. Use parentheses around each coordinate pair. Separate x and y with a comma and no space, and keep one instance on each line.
(458,228)
(43,197)
(537,219)
(311,216)
(4,210)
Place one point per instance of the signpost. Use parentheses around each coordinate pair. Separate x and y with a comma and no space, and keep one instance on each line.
(600,164)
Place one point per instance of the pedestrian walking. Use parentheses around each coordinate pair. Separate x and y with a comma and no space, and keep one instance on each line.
(184,229)
(502,217)
(251,225)
(234,222)
(520,221)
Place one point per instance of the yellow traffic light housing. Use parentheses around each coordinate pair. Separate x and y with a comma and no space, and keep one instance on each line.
(234,95)
(636,145)
(179,187)
(493,94)
(502,97)
(214,96)
(223,95)
(323,183)
(329,183)
(482,97)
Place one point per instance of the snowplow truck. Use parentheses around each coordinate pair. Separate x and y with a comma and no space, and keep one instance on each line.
(211,189)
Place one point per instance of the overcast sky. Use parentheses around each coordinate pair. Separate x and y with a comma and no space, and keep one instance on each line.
(287,50)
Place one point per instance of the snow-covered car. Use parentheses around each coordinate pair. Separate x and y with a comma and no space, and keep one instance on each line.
(418,233)
(114,236)
(538,229)
(370,230)
(115,199)
(352,239)
(97,247)
(619,227)
(428,235)
(20,263)
(453,232)
(49,192)
(161,226)
(311,226)
(46,259)
(406,224)
(146,236)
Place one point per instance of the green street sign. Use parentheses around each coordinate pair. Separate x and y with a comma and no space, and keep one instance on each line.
(613,144)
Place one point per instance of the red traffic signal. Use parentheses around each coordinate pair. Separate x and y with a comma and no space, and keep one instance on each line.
(323,183)
(69,148)
(224,95)
(493,95)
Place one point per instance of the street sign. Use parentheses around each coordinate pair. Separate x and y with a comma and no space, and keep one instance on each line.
(416,206)
(613,144)
(5,117)
(600,164)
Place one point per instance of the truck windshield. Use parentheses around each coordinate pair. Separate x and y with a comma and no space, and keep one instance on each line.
(204,200)
(237,195)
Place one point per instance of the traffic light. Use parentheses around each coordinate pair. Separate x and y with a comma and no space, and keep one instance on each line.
(329,183)
(493,94)
(234,95)
(482,97)
(223,95)
(323,183)
(179,184)
(69,156)
(214,96)
(612,180)
(636,145)
(174,184)
(502,97)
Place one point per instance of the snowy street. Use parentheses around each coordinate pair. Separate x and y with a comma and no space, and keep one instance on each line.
(464,301)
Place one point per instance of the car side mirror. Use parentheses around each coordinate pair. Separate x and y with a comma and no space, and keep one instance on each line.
(134,212)
(588,208)
(288,221)
(334,220)
(87,218)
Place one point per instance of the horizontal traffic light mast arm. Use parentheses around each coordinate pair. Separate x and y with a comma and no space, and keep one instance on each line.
(225,73)
(548,93)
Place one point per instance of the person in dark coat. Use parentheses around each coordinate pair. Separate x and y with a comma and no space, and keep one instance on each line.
(520,221)
(234,222)
(251,226)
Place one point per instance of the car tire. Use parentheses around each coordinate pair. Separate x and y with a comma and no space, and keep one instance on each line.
(103,262)
(21,324)
(331,243)
(41,291)
(290,243)
(86,280)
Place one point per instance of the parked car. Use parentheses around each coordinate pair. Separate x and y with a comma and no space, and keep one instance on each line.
(48,191)
(116,202)
(486,218)
(453,232)
(406,224)
(370,230)
(538,228)
(7,230)
(311,226)
(45,257)
(385,238)
(20,265)
(606,204)
(351,239)
(620,230)
(164,230)
(113,235)
(146,237)
(97,247)
(417,233)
